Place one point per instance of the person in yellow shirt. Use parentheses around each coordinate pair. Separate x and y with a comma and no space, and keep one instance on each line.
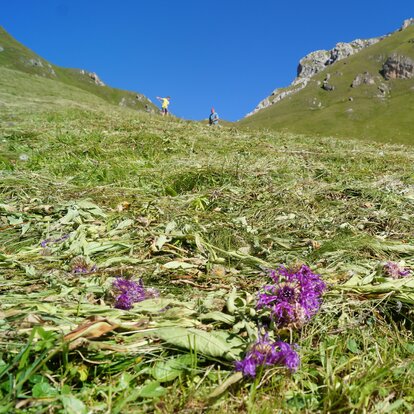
(164,104)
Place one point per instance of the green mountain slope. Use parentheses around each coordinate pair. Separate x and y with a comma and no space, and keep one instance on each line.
(15,56)
(381,110)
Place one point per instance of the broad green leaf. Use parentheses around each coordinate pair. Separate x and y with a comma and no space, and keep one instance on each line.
(156,305)
(119,260)
(72,405)
(106,246)
(43,389)
(25,228)
(219,317)
(70,216)
(15,220)
(7,208)
(236,377)
(171,226)
(30,271)
(91,207)
(217,344)
(122,225)
(164,371)
(152,390)
(352,345)
(178,265)
(160,241)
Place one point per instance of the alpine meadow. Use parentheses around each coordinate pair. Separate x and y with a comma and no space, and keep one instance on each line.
(151,264)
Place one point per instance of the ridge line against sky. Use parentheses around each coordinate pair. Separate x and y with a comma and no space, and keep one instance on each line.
(229,55)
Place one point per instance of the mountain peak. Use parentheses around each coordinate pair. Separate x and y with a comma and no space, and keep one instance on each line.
(317,61)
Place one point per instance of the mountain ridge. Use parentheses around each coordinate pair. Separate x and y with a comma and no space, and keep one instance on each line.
(368,95)
(14,55)
(315,62)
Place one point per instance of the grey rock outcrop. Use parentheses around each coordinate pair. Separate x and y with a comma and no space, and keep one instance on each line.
(363,79)
(317,61)
(1,48)
(398,67)
(35,62)
(328,87)
(93,76)
(406,23)
(312,64)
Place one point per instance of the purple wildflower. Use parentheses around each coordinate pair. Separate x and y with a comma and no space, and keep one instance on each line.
(293,298)
(44,243)
(130,292)
(395,271)
(268,353)
(80,265)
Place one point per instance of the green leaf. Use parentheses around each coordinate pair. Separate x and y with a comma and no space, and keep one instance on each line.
(164,371)
(178,265)
(43,390)
(91,207)
(72,405)
(217,344)
(70,216)
(152,390)
(236,377)
(153,305)
(106,246)
(352,345)
(219,317)
(15,220)
(160,241)
(119,260)
(25,228)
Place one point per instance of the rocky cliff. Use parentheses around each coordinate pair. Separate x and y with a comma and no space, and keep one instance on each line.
(319,60)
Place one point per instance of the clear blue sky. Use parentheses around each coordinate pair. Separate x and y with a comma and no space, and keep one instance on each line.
(226,53)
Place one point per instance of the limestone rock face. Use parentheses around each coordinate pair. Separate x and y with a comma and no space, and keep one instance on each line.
(93,76)
(312,64)
(406,23)
(327,87)
(363,79)
(1,48)
(398,67)
(35,62)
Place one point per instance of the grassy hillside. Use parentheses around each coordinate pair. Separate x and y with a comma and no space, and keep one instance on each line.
(199,214)
(361,112)
(15,56)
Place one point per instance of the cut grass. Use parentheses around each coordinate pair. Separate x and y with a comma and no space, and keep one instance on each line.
(223,204)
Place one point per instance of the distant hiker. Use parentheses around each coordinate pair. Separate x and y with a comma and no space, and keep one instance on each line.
(213,119)
(164,104)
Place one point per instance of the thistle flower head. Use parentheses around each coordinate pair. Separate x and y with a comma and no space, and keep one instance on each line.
(268,353)
(293,298)
(129,292)
(395,270)
(80,265)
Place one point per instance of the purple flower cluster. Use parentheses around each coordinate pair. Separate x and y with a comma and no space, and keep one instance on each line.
(293,298)
(268,353)
(129,292)
(79,265)
(395,271)
(44,243)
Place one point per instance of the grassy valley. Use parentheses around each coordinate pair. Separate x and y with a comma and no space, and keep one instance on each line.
(92,193)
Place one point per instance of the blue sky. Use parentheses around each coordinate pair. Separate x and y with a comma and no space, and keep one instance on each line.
(229,54)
